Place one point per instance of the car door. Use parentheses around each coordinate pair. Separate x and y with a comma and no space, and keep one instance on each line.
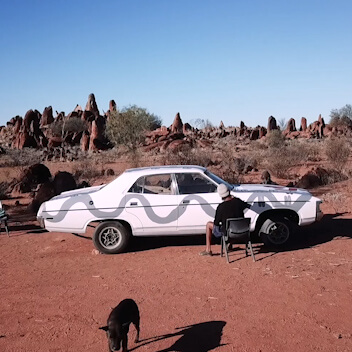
(153,200)
(198,199)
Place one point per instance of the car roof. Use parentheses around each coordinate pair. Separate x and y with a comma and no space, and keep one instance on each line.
(167,169)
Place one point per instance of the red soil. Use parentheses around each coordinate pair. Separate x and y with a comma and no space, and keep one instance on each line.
(56,290)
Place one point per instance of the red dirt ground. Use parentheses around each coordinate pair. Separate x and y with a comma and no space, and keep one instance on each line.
(56,290)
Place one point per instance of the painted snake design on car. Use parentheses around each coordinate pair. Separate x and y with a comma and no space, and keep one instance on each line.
(257,202)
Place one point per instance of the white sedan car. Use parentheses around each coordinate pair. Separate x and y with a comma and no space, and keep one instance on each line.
(172,200)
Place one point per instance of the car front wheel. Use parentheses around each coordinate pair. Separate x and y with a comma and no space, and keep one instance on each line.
(275,232)
(111,237)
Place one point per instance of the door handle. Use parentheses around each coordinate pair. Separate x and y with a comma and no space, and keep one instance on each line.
(185,201)
(133,203)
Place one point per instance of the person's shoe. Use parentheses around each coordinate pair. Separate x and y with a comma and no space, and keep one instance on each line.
(206,253)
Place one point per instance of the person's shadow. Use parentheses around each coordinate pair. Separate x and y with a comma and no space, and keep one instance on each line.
(200,337)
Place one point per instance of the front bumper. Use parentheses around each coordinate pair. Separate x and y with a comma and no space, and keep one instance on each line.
(40,219)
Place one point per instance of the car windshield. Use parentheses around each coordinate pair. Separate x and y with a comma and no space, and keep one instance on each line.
(219,180)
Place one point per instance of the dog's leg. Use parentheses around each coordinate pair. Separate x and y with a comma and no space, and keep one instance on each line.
(136,325)
(124,343)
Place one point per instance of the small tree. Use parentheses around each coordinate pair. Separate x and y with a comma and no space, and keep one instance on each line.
(127,127)
(342,116)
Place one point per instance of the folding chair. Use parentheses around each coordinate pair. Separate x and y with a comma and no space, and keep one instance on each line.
(237,231)
(3,220)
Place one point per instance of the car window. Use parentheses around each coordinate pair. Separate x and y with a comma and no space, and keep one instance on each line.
(152,184)
(190,183)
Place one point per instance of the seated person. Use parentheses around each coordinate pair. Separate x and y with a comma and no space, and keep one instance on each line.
(231,207)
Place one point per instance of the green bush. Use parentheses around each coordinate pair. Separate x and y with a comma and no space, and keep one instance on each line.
(128,126)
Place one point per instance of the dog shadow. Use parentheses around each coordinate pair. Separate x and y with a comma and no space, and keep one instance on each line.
(200,337)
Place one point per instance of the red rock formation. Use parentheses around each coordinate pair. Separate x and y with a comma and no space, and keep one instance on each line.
(272,125)
(291,126)
(262,132)
(92,105)
(47,117)
(254,134)
(177,125)
(85,141)
(303,124)
(94,135)
(321,121)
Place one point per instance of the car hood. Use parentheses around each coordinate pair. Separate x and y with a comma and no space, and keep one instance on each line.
(267,188)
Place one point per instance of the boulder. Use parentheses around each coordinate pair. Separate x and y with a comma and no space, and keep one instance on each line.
(63,181)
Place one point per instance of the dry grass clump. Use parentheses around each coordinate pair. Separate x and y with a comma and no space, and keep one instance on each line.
(279,155)
(186,155)
(275,139)
(336,200)
(20,157)
(337,151)
(86,170)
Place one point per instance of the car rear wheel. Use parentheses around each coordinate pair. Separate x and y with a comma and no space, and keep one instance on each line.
(111,237)
(276,231)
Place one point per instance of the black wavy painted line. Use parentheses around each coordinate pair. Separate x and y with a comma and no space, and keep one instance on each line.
(253,199)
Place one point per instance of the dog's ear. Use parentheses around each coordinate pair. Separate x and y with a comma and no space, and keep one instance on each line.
(105,328)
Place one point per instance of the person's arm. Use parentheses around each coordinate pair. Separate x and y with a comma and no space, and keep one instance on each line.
(217,219)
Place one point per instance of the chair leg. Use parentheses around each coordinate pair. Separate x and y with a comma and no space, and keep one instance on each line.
(222,246)
(226,252)
(251,249)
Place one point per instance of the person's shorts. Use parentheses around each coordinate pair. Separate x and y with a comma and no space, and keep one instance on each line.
(217,231)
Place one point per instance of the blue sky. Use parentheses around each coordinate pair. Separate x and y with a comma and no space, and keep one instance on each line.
(217,60)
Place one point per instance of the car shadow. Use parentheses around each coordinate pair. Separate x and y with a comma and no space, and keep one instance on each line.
(329,227)
(139,244)
(200,337)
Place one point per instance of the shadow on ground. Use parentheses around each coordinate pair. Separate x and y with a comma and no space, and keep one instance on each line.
(200,337)
(330,227)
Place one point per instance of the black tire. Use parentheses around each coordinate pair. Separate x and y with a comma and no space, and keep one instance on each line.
(276,232)
(111,237)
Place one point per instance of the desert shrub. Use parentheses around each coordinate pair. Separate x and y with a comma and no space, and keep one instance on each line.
(275,139)
(85,170)
(336,200)
(201,124)
(127,127)
(20,157)
(337,151)
(280,160)
(303,151)
(186,155)
(71,125)
(341,117)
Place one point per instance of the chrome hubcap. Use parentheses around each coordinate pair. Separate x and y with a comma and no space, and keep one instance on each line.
(110,237)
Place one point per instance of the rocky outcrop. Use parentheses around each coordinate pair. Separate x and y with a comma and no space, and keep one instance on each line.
(38,131)
(47,117)
(92,105)
(272,123)
(177,125)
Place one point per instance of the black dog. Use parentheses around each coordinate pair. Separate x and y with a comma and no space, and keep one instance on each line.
(125,313)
